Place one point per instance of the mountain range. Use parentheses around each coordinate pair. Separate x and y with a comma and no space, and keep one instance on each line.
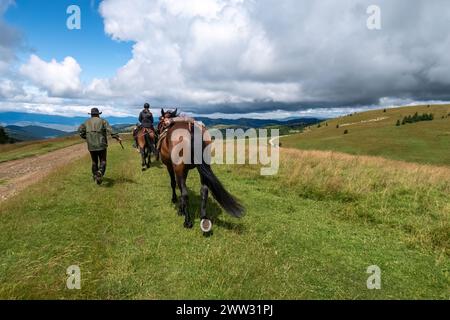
(30,126)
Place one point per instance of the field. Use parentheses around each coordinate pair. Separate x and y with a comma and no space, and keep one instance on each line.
(375,133)
(309,232)
(34,148)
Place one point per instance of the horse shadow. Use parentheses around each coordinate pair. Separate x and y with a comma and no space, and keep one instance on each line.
(156,164)
(109,183)
(214,212)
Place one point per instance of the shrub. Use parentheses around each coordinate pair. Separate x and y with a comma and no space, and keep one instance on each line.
(398,123)
(416,118)
(346,131)
(4,138)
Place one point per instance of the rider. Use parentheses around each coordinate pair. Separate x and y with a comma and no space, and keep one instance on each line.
(95,131)
(146,121)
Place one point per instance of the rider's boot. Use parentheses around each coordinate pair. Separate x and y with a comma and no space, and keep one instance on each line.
(101,173)
(94,172)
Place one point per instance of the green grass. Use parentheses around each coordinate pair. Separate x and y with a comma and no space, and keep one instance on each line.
(423,142)
(309,233)
(34,148)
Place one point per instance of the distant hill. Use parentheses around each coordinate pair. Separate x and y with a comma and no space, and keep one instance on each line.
(53,121)
(29,133)
(381,133)
(255,123)
(70,124)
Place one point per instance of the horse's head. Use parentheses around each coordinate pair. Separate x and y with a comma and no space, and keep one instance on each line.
(169,114)
(165,115)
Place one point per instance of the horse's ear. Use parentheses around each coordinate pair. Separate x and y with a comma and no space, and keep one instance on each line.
(175,112)
(162,112)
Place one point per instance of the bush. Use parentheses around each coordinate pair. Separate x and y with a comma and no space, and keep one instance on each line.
(337,126)
(398,123)
(4,138)
(346,131)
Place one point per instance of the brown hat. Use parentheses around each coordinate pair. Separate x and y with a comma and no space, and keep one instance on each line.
(95,112)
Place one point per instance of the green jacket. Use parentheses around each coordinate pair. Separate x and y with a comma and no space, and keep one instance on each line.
(95,131)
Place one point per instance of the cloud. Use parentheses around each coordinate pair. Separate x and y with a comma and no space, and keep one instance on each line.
(10,40)
(58,78)
(9,89)
(244,55)
(251,57)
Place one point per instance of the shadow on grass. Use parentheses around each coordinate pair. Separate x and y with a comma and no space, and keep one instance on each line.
(154,164)
(109,183)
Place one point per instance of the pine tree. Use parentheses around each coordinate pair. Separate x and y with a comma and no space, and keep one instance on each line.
(398,123)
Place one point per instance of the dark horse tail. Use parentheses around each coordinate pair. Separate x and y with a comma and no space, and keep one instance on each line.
(150,145)
(222,196)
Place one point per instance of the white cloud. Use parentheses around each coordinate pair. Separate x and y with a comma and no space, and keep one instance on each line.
(201,52)
(298,53)
(256,56)
(58,78)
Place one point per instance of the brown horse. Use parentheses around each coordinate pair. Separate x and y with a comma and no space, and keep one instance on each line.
(146,143)
(179,171)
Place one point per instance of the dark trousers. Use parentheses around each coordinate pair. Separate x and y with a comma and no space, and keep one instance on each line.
(98,158)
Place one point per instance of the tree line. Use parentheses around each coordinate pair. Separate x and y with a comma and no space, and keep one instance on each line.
(4,138)
(416,118)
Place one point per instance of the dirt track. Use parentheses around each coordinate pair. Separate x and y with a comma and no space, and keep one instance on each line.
(18,174)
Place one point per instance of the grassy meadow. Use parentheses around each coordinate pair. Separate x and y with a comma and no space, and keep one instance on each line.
(375,133)
(34,148)
(309,232)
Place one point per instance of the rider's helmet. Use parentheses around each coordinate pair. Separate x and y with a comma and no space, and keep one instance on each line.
(146,106)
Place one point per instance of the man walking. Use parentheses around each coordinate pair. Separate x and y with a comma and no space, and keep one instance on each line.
(95,131)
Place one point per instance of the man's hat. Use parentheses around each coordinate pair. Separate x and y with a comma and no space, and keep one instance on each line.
(95,112)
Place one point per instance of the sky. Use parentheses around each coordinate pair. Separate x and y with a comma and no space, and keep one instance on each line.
(224,58)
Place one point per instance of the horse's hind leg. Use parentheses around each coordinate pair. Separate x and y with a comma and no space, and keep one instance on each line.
(181,179)
(149,158)
(143,164)
(205,223)
(173,184)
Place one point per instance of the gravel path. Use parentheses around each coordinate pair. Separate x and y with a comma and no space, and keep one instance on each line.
(16,175)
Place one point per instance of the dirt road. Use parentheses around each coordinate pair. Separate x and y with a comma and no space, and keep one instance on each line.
(18,174)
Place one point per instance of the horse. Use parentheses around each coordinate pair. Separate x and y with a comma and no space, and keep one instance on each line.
(179,170)
(146,144)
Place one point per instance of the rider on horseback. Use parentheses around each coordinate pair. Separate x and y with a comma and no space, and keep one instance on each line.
(146,121)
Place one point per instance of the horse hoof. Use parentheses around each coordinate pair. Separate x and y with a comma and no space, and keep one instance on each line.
(206,225)
(188,225)
(174,200)
(143,169)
